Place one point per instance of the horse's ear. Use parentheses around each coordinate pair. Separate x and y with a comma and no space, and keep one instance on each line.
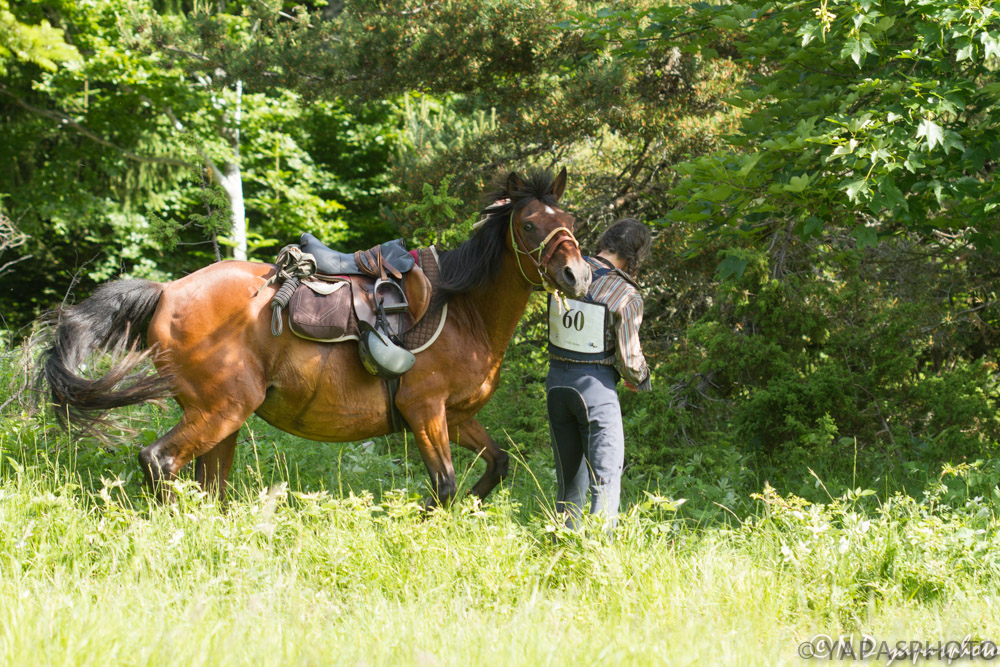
(559,185)
(514,184)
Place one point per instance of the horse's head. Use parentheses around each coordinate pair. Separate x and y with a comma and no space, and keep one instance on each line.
(541,237)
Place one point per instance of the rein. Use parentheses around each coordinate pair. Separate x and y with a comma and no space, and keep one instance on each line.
(544,254)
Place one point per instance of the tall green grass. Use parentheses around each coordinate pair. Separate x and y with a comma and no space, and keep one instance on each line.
(322,556)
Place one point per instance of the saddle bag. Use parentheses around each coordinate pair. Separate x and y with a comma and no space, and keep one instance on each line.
(321,311)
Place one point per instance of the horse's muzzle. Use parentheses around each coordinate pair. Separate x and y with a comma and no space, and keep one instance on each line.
(574,278)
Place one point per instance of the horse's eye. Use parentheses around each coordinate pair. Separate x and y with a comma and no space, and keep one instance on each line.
(527,226)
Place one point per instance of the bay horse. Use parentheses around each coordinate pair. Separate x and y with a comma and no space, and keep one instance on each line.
(209,337)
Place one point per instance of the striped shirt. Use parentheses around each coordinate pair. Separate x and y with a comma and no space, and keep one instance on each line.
(624,303)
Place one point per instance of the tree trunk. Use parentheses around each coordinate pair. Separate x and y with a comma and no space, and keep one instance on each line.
(232,182)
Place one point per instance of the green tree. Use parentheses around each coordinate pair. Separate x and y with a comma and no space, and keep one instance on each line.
(845,226)
(114,157)
(873,117)
(41,43)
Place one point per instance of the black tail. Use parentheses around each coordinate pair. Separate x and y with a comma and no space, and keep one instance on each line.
(113,319)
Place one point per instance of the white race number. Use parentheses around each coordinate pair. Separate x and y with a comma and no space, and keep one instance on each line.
(577,327)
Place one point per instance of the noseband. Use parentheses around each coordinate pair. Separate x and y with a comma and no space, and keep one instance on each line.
(545,250)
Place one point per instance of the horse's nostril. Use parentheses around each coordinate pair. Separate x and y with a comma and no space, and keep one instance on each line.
(569,275)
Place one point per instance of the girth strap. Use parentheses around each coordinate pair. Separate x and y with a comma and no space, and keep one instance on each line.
(396,418)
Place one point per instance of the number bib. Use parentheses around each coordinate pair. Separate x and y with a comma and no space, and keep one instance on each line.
(578,333)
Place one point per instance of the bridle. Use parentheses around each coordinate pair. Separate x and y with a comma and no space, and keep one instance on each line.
(545,250)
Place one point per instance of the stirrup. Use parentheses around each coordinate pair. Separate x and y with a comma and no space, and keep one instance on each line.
(400,307)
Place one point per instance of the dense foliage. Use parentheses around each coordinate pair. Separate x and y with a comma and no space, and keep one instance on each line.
(877,118)
(851,218)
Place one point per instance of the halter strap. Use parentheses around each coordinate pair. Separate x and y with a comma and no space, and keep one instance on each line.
(544,253)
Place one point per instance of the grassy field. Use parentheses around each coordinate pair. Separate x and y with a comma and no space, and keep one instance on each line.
(321,556)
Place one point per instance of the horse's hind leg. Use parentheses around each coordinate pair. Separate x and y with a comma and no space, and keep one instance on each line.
(212,468)
(471,435)
(199,431)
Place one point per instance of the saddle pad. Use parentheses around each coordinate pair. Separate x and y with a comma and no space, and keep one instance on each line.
(430,325)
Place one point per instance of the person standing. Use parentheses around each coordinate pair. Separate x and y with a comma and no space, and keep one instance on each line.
(593,343)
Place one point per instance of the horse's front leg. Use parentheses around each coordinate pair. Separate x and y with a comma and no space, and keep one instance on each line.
(430,430)
(471,435)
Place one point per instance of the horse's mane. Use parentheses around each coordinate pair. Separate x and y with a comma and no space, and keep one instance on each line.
(475,262)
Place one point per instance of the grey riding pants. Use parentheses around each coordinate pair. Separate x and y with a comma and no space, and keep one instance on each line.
(588,441)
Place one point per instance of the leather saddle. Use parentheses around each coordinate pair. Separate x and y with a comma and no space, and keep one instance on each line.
(343,294)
